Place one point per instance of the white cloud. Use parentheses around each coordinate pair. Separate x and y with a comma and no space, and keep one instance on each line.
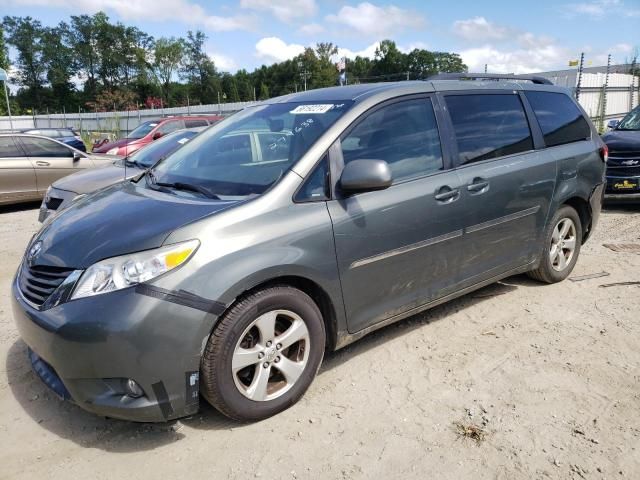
(223,62)
(368,52)
(479,29)
(283,10)
(597,9)
(158,10)
(311,29)
(273,49)
(522,60)
(373,21)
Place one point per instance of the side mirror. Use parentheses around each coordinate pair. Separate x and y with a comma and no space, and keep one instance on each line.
(613,124)
(157,135)
(365,176)
(77,156)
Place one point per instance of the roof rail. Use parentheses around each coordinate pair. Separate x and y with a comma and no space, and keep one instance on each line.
(490,76)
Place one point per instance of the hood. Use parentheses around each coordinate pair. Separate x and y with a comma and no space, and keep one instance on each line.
(118,143)
(121,219)
(93,179)
(622,140)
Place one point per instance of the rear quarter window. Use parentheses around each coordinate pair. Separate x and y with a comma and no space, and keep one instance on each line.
(560,120)
(488,126)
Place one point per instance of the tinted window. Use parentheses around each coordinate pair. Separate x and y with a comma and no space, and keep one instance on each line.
(8,148)
(488,126)
(631,121)
(42,147)
(195,123)
(65,133)
(403,134)
(559,118)
(315,187)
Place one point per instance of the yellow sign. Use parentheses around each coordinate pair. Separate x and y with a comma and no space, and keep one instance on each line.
(573,63)
(626,185)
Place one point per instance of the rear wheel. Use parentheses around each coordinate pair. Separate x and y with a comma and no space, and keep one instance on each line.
(561,248)
(264,353)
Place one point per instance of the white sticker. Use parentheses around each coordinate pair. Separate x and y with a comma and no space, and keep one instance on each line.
(322,108)
(153,124)
(182,141)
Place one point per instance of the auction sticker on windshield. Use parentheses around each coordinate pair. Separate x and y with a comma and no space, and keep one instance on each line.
(321,108)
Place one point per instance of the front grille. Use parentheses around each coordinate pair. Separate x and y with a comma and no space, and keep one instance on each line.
(614,171)
(37,283)
(53,203)
(624,154)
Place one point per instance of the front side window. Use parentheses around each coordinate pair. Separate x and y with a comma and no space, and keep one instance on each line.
(559,118)
(488,126)
(195,123)
(225,161)
(316,185)
(43,147)
(8,148)
(403,134)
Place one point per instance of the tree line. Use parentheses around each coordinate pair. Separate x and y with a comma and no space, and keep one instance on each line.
(92,63)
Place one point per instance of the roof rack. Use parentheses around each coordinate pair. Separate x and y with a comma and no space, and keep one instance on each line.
(490,76)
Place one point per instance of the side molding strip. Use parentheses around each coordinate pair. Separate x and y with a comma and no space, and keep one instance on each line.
(407,248)
(182,297)
(505,219)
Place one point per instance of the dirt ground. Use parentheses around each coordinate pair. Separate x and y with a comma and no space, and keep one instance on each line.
(518,380)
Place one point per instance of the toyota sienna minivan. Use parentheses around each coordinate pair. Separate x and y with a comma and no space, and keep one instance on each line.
(227,271)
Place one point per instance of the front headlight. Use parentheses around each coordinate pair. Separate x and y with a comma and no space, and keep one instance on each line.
(121,272)
(113,151)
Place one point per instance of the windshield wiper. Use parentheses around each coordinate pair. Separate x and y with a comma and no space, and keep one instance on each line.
(186,186)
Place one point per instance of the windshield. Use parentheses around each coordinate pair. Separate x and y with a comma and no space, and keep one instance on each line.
(142,130)
(149,155)
(631,121)
(248,152)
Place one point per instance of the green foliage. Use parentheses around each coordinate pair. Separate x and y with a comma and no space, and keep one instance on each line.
(93,63)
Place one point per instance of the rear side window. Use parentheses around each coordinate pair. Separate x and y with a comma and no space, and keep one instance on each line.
(169,127)
(403,134)
(195,123)
(559,118)
(488,126)
(8,148)
(43,147)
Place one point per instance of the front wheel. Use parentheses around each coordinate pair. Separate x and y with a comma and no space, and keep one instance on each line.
(561,248)
(264,353)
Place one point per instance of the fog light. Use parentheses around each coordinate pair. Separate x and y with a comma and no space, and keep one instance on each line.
(133,389)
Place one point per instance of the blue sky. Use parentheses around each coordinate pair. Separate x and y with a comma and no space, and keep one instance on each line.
(509,36)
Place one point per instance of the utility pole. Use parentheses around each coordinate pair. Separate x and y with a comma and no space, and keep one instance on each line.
(579,83)
(5,78)
(606,84)
(304,74)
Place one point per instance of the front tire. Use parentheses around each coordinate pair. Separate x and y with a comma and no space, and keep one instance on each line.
(263,354)
(561,248)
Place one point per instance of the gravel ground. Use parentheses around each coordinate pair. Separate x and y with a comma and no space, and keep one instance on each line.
(517,380)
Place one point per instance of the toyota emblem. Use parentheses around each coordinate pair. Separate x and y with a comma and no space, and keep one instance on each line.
(33,252)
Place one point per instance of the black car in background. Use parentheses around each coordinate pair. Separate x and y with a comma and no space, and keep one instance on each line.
(623,167)
(64,135)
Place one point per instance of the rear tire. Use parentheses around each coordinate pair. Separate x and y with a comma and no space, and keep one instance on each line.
(263,354)
(561,247)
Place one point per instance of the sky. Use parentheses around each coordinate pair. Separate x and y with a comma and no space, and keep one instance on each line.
(511,36)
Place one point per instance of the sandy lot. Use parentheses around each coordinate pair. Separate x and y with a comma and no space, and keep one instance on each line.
(551,374)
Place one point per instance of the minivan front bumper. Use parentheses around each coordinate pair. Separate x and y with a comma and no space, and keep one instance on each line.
(93,345)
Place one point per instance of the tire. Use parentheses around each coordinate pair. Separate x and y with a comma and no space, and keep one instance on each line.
(243,335)
(555,270)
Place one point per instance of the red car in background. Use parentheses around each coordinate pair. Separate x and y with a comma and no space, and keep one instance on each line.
(149,131)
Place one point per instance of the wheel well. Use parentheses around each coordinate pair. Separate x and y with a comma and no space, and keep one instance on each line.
(317,294)
(584,212)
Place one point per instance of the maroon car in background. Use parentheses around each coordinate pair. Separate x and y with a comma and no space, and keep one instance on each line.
(149,131)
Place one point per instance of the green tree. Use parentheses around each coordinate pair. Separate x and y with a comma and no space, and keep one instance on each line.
(26,35)
(198,70)
(4,53)
(167,55)
(264,92)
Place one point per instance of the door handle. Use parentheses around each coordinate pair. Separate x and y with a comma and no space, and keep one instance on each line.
(478,185)
(447,194)
(42,163)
